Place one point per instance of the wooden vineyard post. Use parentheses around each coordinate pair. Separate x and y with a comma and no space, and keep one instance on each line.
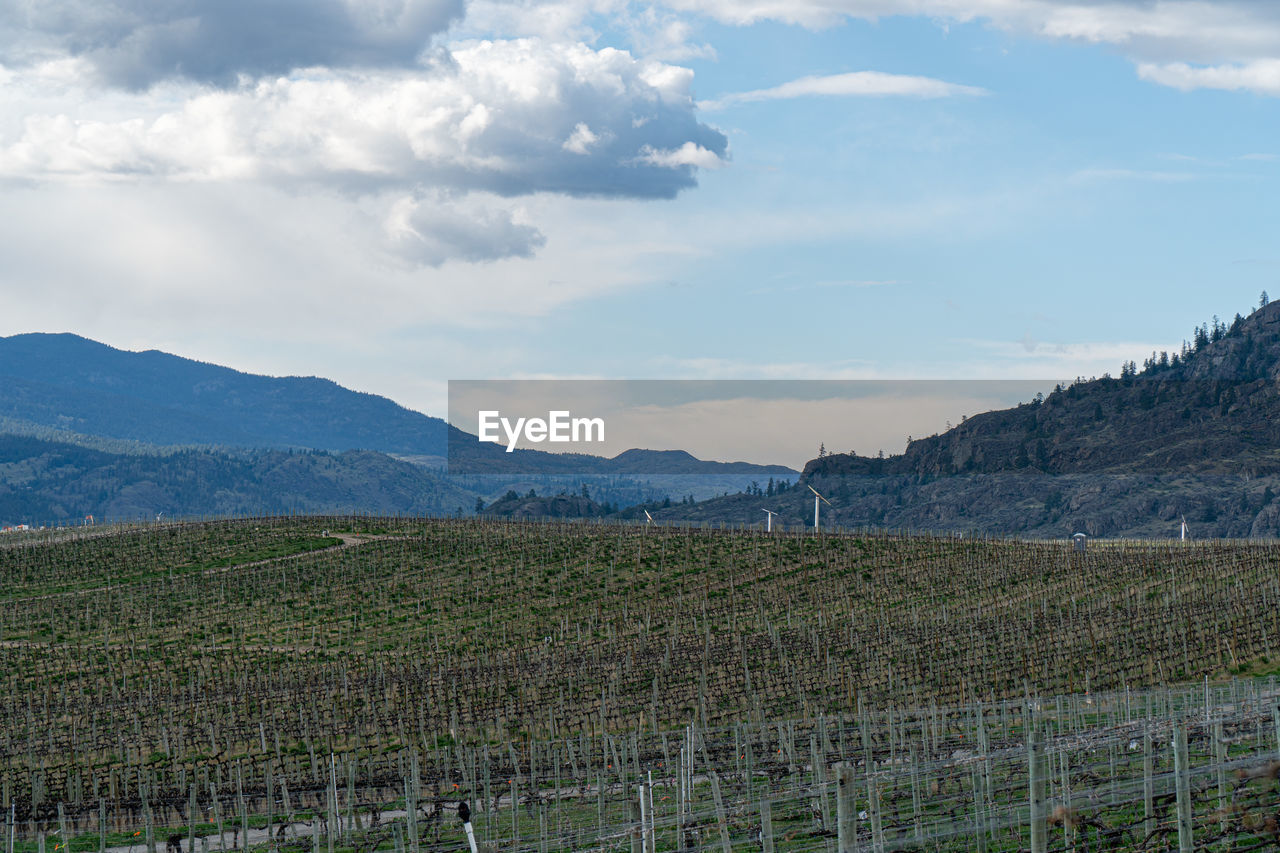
(1220,759)
(559,825)
(979,815)
(1114,793)
(722,819)
(191,819)
(217,817)
(102,828)
(600,802)
(150,830)
(1275,712)
(416,778)
(917,820)
(637,822)
(873,808)
(332,809)
(1182,780)
(846,810)
(819,781)
(270,810)
(766,826)
(1148,786)
(411,813)
(351,797)
(286,802)
(686,787)
(515,813)
(1038,781)
(1068,828)
(244,811)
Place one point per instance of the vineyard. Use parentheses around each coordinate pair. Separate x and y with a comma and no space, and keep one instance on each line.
(342,683)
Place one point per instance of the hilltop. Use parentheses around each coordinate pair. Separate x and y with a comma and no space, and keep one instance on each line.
(1193,434)
(1212,408)
(68,382)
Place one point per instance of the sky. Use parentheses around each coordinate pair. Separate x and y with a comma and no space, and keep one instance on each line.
(397,193)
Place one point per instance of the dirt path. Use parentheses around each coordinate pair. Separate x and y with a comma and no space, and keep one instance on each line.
(349,540)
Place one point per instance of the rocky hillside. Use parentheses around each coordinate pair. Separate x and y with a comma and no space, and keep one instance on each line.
(1212,408)
(1192,434)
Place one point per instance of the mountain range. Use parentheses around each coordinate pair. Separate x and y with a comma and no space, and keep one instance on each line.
(88,429)
(1189,436)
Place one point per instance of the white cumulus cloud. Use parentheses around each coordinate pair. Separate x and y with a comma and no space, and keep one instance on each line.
(689,154)
(581,140)
(496,118)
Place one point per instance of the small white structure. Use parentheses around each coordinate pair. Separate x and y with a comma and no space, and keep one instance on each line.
(817,497)
(1079,542)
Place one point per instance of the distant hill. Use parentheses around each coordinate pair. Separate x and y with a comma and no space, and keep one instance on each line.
(532,506)
(489,458)
(72,383)
(48,482)
(69,383)
(89,429)
(638,461)
(1192,434)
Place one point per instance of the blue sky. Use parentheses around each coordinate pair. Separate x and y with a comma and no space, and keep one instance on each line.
(394,193)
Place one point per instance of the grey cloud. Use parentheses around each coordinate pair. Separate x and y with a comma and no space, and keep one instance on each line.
(432,233)
(497,120)
(136,43)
